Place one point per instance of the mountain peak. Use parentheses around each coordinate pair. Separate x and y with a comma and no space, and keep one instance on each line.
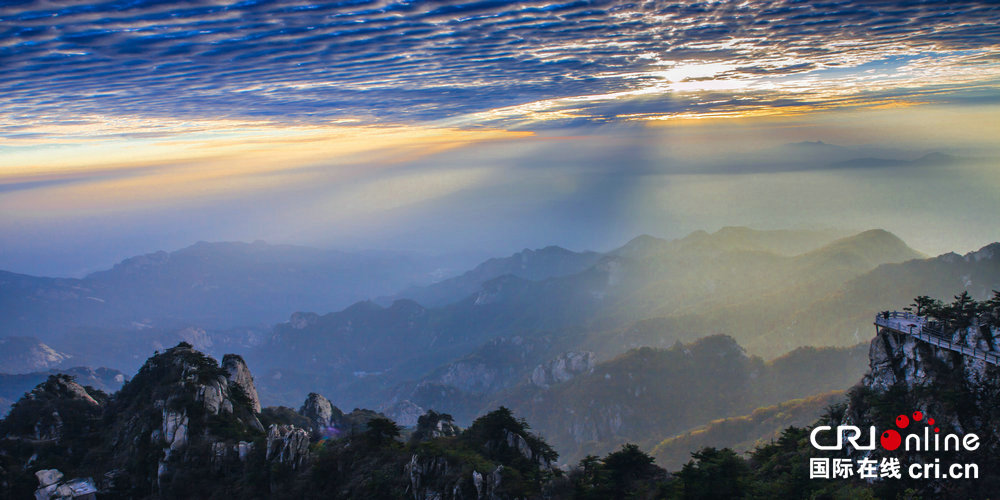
(61,386)
(870,237)
(877,234)
(734,230)
(641,246)
(815,145)
(54,410)
(986,253)
(935,158)
(876,246)
(531,265)
(361,307)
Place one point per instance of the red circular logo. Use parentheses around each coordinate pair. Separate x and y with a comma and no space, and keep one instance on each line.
(918,416)
(890,440)
(902,421)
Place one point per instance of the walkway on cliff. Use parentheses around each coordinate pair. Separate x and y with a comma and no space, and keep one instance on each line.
(918,327)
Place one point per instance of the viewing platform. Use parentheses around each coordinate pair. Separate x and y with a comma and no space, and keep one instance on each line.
(931,332)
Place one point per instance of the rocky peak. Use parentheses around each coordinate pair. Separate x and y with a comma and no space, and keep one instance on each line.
(320,411)
(986,253)
(239,375)
(54,409)
(180,403)
(61,387)
(183,373)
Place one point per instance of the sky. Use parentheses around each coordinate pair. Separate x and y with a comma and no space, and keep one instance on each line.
(443,127)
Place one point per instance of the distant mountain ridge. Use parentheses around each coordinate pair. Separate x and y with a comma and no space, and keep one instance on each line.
(646,278)
(551,261)
(819,155)
(929,159)
(785,242)
(212,285)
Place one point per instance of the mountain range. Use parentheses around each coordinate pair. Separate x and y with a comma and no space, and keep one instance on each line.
(537,331)
(211,285)
(649,292)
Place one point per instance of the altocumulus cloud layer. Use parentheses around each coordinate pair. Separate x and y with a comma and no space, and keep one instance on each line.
(498,63)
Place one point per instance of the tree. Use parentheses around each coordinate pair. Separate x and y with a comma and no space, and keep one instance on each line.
(714,473)
(591,478)
(626,473)
(992,308)
(963,309)
(491,427)
(923,304)
(629,470)
(380,431)
(433,424)
(493,430)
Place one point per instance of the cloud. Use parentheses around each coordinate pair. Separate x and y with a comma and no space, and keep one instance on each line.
(196,162)
(415,61)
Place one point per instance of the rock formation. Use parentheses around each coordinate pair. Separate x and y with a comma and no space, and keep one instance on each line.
(239,375)
(325,418)
(186,427)
(52,487)
(287,444)
(959,392)
(53,406)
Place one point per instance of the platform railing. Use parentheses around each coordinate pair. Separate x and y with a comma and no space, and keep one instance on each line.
(918,327)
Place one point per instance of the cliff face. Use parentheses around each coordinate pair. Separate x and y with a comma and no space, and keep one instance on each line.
(914,387)
(906,362)
(958,390)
